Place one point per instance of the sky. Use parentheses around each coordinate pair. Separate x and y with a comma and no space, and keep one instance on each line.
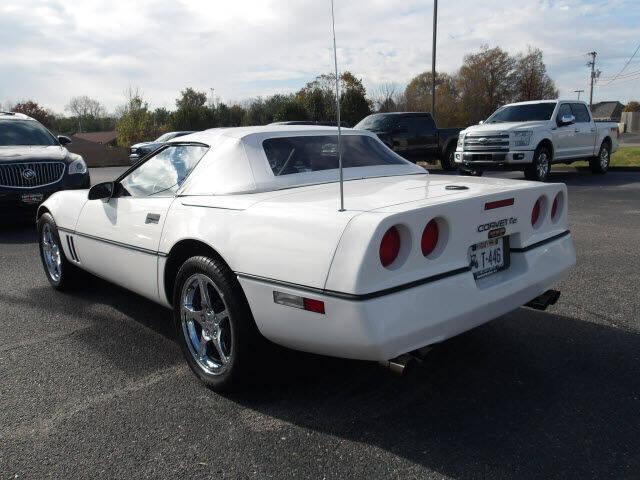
(51,50)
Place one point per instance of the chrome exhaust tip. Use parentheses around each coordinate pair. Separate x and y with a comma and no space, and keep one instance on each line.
(550,297)
(402,363)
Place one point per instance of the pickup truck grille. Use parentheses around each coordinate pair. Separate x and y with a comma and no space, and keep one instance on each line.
(30,175)
(489,142)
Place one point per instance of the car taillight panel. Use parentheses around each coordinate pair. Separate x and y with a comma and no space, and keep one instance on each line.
(390,246)
(430,237)
(535,212)
(555,207)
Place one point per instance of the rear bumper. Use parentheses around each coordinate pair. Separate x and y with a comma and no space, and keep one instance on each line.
(384,327)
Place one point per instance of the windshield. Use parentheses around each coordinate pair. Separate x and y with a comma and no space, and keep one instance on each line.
(25,132)
(523,113)
(166,137)
(291,155)
(376,122)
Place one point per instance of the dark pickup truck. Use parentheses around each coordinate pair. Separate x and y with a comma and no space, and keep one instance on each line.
(414,136)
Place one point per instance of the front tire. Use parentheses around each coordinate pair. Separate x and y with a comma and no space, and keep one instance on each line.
(541,166)
(447,162)
(213,323)
(60,272)
(600,164)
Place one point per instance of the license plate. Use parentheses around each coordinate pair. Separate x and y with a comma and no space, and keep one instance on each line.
(32,198)
(487,257)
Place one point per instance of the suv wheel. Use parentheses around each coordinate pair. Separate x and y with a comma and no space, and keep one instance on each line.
(541,166)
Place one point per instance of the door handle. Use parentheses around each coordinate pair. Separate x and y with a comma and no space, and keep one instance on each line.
(152,218)
(593,130)
(577,130)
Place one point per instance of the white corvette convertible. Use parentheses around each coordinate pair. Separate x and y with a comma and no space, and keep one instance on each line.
(239,231)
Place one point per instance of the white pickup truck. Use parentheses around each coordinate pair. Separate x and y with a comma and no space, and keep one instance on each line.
(530,136)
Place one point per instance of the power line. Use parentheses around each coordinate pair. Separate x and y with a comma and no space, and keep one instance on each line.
(625,65)
(628,74)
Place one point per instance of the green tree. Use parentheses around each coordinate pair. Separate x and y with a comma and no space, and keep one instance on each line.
(192,113)
(136,122)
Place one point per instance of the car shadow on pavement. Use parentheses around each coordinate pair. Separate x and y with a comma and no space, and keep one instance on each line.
(530,395)
(18,233)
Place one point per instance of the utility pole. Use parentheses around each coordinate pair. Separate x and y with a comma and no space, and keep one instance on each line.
(594,75)
(433,59)
(578,92)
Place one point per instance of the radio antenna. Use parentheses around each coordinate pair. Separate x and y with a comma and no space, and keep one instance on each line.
(335,62)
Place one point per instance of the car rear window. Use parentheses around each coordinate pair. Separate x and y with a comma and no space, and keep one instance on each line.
(290,155)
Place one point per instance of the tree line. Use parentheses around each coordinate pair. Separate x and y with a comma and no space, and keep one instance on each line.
(486,80)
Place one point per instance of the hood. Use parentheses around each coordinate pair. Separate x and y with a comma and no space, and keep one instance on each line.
(505,127)
(19,153)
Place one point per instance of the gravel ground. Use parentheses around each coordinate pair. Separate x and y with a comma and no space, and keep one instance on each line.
(94,385)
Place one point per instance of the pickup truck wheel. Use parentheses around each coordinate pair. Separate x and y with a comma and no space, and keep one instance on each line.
(213,323)
(540,167)
(447,162)
(60,272)
(600,164)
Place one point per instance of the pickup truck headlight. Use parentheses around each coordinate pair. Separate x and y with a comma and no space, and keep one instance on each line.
(77,167)
(461,140)
(522,139)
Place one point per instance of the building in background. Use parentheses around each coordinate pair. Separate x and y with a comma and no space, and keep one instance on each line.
(99,149)
(607,111)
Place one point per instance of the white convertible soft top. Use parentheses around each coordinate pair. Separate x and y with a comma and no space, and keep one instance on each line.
(237,163)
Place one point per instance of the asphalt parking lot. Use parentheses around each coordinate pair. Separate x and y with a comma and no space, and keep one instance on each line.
(93,384)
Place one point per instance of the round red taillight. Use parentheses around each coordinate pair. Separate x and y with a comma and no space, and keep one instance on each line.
(535,213)
(555,206)
(430,238)
(389,246)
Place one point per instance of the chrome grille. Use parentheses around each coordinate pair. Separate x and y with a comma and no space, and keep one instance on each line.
(490,142)
(30,174)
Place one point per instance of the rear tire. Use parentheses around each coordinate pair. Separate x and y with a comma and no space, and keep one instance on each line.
(600,164)
(60,272)
(216,331)
(447,162)
(541,166)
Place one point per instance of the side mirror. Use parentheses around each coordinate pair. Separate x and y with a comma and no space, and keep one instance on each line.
(480,122)
(567,120)
(64,140)
(102,191)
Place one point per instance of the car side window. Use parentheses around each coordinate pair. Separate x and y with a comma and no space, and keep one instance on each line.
(564,110)
(580,112)
(164,173)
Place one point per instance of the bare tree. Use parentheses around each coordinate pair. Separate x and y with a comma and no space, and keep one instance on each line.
(386,97)
(84,107)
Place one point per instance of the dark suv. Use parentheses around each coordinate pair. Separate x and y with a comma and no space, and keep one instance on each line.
(33,165)
(414,136)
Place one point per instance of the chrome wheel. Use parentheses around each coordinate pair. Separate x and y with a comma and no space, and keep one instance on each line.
(542,168)
(51,253)
(604,158)
(206,324)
